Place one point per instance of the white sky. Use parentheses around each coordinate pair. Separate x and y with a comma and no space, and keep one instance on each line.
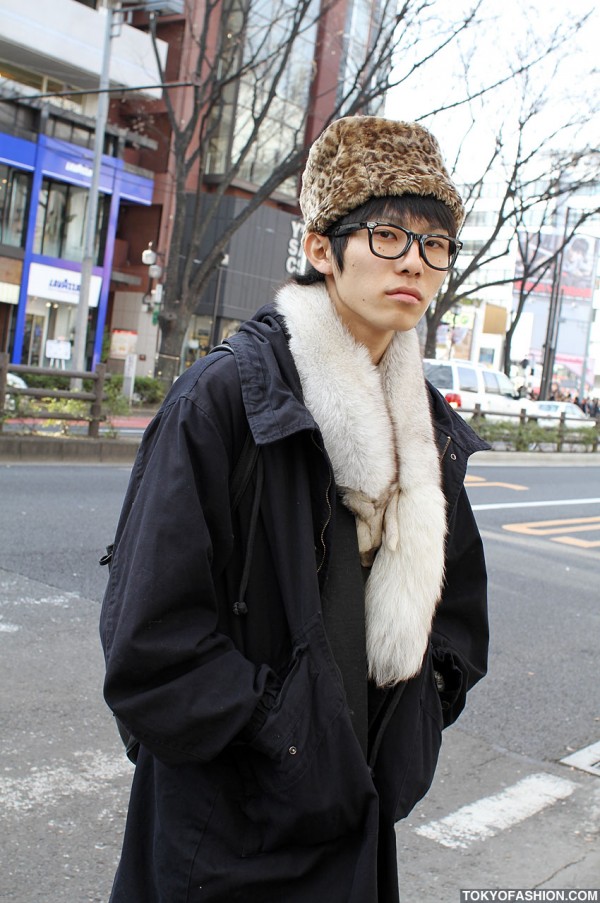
(511,28)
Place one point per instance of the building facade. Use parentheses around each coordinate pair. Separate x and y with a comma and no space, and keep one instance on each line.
(46,140)
(475,328)
(45,166)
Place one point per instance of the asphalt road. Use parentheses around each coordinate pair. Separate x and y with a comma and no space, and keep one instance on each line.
(533,822)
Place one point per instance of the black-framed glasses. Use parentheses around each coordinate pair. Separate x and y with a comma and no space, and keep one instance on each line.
(390,242)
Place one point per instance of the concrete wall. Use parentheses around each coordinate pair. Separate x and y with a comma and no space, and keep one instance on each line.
(63,39)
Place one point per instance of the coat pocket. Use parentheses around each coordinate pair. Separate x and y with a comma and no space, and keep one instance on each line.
(409,750)
(305,777)
(453,687)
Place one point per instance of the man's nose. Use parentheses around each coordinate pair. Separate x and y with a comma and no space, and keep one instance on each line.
(411,260)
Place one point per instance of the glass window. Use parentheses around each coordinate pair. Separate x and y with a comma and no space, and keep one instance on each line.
(467,379)
(506,386)
(18,120)
(58,128)
(40,219)
(491,382)
(32,340)
(75,217)
(265,30)
(15,75)
(15,190)
(102,227)
(54,219)
(64,129)
(571,410)
(481,218)
(440,375)
(61,218)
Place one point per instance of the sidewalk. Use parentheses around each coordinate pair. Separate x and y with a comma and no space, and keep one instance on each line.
(534,459)
(17,447)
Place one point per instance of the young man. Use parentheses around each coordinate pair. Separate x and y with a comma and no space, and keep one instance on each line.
(288,663)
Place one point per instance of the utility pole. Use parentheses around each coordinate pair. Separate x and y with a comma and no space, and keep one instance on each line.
(590,323)
(554,311)
(89,241)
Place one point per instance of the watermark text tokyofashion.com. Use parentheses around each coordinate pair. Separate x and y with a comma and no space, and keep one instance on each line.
(514,895)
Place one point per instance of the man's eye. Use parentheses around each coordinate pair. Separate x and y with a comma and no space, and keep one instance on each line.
(386,235)
(435,242)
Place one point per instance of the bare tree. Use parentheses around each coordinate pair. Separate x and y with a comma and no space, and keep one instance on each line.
(246,74)
(242,56)
(537,166)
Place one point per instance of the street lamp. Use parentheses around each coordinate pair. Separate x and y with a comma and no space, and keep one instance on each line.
(153,297)
(217,302)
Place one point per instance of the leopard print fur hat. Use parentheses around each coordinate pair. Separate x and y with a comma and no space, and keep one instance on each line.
(360,157)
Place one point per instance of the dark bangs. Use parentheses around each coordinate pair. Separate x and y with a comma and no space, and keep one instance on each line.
(396,210)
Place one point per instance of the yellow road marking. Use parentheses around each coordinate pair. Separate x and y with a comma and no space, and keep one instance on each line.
(558,530)
(581,543)
(473,481)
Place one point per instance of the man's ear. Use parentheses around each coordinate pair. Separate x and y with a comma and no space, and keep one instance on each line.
(318,252)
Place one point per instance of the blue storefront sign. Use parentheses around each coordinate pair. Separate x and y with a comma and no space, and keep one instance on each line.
(16,152)
(64,162)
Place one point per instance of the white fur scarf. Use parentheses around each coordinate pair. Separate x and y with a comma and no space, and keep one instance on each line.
(377,430)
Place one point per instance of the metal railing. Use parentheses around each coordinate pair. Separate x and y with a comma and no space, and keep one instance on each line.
(95,398)
(560,435)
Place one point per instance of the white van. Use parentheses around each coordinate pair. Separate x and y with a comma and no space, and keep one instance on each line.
(464,384)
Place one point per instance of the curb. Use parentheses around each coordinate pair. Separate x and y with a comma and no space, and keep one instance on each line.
(73,450)
(37,449)
(534,459)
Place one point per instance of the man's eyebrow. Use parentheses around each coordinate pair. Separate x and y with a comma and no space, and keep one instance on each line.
(428,226)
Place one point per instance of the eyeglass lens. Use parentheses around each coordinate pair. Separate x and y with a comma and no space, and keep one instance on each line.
(391,241)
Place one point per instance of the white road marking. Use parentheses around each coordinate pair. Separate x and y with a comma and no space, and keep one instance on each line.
(62,600)
(545,504)
(44,787)
(586,759)
(8,628)
(487,817)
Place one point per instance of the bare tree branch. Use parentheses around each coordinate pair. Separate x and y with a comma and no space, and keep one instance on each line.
(240,87)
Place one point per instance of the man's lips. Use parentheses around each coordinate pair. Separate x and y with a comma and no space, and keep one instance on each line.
(401,291)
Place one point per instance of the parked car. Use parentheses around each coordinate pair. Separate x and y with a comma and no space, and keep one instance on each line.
(14,382)
(549,413)
(465,384)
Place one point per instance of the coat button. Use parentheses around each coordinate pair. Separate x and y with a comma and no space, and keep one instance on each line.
(453,456)
(292,750)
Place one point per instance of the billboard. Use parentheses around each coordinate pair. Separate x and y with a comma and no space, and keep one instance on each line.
(577,264)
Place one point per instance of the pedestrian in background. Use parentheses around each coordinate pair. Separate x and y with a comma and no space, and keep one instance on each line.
(287,664)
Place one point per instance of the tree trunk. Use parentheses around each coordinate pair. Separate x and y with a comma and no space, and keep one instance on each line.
(173,330)
(430,350)
(507,350)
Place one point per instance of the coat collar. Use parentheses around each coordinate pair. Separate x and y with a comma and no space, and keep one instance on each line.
(272,392)
(270,385)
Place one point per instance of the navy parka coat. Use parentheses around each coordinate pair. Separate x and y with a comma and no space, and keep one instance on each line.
(250,782)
